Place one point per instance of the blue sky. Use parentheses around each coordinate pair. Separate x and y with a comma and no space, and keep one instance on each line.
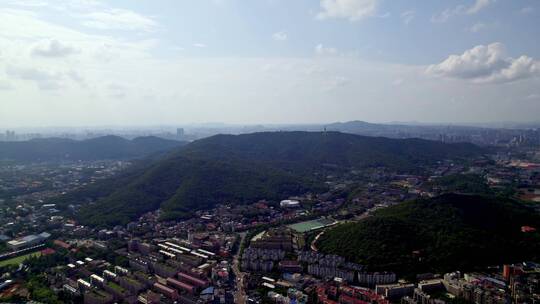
(90,62)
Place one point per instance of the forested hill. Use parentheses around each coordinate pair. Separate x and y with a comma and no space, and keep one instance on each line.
(446,233)
(246,168)
(106,147)
(312,149)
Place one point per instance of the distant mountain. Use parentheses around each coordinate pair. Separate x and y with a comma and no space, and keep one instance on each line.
(249,167)
(402,130)
(106,147)
(439,132)
(446,233)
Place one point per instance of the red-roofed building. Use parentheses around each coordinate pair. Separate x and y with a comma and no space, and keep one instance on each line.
(527,229)
(48,251)
(192,280)
(331,294)
(61,244)
(261,205)
(181,285)
(166,291)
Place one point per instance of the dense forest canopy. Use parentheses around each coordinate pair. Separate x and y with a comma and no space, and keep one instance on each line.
(446,233)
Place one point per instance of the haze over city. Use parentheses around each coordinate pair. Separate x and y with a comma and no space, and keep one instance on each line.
(89,62)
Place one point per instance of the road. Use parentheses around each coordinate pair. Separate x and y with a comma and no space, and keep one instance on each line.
(362,216)
(240,294)
(313,243)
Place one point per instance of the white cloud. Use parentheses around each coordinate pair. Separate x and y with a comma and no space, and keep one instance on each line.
(199,45)
(5,85)
(443,16)
(335,82)
(117,91)
(325,51)
(353,10)
(486,64)
(45,80)
(29,3)
(477,27)
(112,77)
(76,77)
(103,55)
(280,36)
(119,19)
(408,16)
(476,7)
(93,14)
(397,82)
(53,48)
(527,10)
(533,97)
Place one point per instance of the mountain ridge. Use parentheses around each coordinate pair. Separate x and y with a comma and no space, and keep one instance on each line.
(249,167)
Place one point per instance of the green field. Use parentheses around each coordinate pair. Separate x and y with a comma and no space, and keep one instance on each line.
(19,259)
(311,225)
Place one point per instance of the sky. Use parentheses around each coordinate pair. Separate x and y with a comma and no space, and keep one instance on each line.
(157,62)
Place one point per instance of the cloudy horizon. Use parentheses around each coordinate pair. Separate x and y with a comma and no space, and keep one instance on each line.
(90,62)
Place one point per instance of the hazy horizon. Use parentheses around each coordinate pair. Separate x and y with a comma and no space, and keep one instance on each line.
(113,129)
(94,63)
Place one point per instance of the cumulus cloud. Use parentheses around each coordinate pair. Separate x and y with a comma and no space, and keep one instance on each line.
(476,7)
(53,48)
(280,36)
(353,10)
(408,16)
(325,51)
(486,64)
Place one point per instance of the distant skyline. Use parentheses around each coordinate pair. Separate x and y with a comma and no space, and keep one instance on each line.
(171,62)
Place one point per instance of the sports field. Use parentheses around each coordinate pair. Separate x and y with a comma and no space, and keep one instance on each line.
(311,225)
(19,259)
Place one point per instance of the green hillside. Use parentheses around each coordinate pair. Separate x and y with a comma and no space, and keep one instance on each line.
(246,168)
(181,186)
(447,233)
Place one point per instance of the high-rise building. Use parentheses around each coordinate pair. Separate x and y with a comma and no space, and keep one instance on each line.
(10,136)
(180,132)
